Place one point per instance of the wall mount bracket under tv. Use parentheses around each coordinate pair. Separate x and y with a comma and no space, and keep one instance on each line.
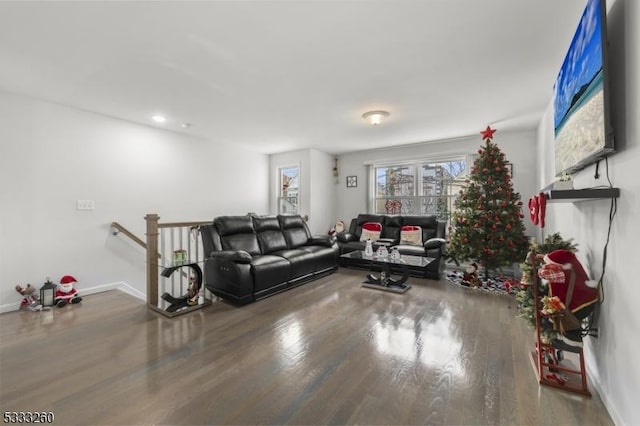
(576,195)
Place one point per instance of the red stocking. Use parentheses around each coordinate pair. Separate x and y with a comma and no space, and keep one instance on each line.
(542,208)
(533,209)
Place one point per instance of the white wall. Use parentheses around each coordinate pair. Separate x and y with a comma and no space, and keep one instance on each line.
(51,156)
(317,186)
(323,192)
(518,147)
(611,358)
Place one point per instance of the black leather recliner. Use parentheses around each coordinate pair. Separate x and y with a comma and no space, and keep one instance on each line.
(433,238)
(248,258)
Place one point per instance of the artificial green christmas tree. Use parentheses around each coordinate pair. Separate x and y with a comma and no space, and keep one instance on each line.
(487,222)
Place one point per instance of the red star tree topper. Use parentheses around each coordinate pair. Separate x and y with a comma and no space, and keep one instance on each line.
(487,225)
(488,133)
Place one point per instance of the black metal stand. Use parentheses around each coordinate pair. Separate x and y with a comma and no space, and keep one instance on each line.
(386,282)
(189,299)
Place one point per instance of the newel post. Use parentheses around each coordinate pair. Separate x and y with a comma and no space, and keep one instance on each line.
(152,258)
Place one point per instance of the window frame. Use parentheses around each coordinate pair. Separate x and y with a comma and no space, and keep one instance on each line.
(417,198)
(279,193)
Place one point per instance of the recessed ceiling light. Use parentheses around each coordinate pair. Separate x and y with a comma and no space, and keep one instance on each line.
(159,118)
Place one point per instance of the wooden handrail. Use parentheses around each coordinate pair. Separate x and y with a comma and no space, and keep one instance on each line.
(183,224)
(129,234)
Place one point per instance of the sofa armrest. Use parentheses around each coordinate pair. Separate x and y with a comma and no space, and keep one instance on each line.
(322,240)
(240,256)
(345,237)
(435,243)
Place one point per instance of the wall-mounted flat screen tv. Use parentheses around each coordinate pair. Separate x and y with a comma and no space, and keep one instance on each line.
(583,133)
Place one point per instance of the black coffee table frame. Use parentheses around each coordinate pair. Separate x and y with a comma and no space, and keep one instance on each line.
(385,281)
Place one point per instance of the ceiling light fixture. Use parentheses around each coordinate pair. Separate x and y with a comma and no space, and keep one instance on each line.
(375,118)
(159,118)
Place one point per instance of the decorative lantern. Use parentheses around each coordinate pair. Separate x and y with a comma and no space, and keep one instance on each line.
(48,293)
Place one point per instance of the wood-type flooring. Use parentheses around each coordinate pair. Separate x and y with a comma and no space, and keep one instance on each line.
(328,352)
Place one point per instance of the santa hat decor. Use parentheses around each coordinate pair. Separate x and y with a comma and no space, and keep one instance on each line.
(563,258)
(568,260)
(67,279)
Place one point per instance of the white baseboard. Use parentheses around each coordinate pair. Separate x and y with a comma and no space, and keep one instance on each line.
(122,286)
(594,378)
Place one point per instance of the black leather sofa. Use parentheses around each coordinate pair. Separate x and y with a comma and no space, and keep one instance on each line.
(433,238)
(249,258)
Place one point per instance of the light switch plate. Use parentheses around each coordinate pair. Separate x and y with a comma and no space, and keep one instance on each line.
(84,205)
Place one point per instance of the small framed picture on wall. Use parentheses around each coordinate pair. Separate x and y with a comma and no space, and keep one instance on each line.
(352,181)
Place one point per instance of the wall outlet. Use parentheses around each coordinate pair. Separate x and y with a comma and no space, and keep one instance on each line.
(84,205)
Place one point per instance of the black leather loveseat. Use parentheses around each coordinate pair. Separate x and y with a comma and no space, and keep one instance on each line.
(433,238)
(249,258)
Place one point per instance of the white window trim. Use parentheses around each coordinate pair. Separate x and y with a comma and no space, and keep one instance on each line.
(279,185)
(404,161)
(415,163)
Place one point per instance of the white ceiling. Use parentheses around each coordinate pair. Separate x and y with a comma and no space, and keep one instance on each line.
(283,75)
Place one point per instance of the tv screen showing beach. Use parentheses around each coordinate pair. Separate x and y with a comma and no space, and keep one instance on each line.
(579,102)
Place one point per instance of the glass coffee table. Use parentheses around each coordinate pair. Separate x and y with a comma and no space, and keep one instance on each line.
(385,281)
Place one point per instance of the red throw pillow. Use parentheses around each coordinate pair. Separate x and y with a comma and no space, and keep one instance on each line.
(371,231)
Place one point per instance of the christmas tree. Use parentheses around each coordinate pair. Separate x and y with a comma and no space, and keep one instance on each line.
(487,222)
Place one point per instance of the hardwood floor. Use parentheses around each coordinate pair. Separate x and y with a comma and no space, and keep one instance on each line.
(329,352)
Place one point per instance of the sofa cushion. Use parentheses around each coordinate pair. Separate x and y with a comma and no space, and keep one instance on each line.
(237,233)
(266,223)
(325,256)
(269,271)
(295,231)
(270,237)
(423,221)
(291,221)
(391,228)
(227,225)
(302,262)
(371,231)
(411,235)
(237,242)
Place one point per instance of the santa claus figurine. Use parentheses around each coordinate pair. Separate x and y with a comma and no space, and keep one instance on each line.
(66,293)
(570,283)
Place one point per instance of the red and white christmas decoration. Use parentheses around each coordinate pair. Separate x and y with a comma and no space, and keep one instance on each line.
(66,292)
(538,208)
(371,231)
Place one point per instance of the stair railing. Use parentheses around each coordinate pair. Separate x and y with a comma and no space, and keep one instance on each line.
(164,240)
(117,228)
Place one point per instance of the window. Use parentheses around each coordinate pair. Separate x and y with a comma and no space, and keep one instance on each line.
(424,188)
(288,193)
